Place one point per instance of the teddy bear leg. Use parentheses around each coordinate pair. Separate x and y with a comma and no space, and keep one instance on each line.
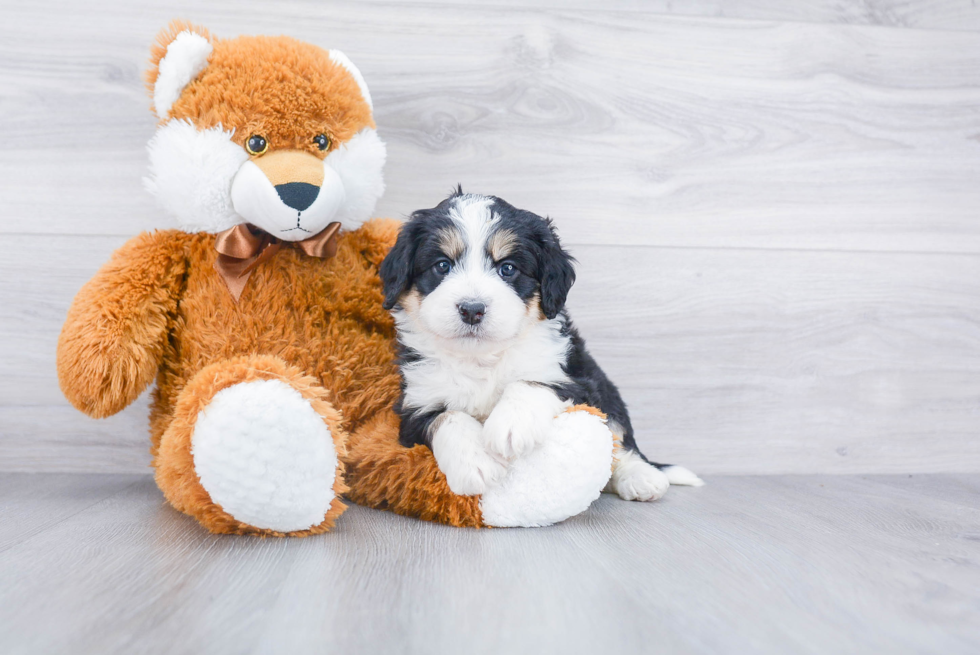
(560,478)
(383,474)
(254,448)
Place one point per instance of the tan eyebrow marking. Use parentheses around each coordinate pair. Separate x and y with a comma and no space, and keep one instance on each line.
(451,242)
(501,244)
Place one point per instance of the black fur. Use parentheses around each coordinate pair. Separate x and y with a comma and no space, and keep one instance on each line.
(410,261)
(415,427)
(588,384)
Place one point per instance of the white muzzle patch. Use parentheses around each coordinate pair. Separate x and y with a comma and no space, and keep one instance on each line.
(259,202)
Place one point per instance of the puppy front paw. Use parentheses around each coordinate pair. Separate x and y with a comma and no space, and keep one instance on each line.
(457,445)
(520,420)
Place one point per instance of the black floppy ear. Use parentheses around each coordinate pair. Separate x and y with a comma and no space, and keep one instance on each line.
(557,274)
(396,269)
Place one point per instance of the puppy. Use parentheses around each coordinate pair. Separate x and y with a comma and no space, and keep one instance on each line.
(489,356)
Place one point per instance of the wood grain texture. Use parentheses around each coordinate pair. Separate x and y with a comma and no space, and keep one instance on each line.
(631,128)
(732,361)
(776,221)
(923,14)
(773,564)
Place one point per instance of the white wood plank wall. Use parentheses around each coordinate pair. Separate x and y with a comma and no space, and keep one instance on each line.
(777,220)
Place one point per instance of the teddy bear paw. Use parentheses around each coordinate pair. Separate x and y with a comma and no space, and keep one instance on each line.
(265,456)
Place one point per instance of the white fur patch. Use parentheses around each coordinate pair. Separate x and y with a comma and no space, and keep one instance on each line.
(207,182)
(634,479)
(187,55)
(191,173)
(360,165)
(473,382)
(265,456)
(257,202)
(339,58)
(682,477)
(458,448)
(557,480)
(521,420)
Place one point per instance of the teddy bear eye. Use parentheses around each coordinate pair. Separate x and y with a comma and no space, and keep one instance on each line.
(322,141)
(256,145)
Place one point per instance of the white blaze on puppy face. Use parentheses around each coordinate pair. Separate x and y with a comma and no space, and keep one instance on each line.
(474,279)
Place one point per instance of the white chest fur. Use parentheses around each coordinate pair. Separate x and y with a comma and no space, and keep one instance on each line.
(473,382)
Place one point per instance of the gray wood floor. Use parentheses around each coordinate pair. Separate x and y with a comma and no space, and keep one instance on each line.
(774,564)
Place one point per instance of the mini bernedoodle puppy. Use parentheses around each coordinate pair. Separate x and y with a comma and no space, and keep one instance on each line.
(489,356)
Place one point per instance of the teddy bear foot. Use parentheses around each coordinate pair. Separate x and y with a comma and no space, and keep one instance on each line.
(558,479)
(265,456)
(253,449)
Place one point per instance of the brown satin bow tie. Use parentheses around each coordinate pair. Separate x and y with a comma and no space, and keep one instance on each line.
(243,247)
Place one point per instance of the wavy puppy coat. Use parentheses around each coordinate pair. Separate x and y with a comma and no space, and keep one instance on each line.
(489,355)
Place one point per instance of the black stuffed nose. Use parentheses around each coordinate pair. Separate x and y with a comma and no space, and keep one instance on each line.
(471,312)
(298,195)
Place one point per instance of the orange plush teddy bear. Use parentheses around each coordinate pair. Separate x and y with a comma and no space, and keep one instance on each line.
(261,319)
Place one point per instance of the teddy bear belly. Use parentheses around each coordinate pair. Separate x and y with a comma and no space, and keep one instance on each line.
(299,309)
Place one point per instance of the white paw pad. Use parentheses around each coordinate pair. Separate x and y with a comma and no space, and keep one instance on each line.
(265,456)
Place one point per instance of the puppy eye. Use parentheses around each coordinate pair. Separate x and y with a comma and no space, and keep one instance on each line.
(443,266)
(507,269)
(256,145)
(322,141)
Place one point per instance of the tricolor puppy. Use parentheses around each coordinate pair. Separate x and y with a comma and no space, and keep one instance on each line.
(489,356)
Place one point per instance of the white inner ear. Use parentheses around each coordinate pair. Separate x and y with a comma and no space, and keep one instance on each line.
(187,55)
(339,58)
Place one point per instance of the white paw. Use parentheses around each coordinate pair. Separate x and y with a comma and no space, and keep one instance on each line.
(265,456)
(458,448)
(521,419)
(634,479)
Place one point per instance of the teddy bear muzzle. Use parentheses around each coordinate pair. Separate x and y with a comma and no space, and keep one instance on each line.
(290,194)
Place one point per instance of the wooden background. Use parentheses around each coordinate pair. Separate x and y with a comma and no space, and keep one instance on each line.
(775,205)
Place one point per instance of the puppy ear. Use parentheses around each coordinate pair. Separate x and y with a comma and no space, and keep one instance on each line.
(179,55)
(396,269)
(557,274)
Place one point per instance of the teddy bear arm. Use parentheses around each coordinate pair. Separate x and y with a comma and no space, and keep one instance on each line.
(114,335)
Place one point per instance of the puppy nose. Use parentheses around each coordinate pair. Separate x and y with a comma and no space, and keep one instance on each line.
(471,312)
(298,195)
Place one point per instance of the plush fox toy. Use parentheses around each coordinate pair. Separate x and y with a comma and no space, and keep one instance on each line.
(261,319)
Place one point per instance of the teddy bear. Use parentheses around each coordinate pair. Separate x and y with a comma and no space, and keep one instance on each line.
(260,319)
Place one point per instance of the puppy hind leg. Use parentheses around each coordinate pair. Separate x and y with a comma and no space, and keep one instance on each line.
(633,478)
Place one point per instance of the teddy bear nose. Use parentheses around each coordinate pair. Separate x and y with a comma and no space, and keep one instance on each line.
(298,195)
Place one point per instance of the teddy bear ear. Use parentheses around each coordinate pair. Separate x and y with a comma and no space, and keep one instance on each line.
(179,55)
(342,60)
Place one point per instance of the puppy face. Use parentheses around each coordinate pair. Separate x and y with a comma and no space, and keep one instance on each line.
(475,271)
